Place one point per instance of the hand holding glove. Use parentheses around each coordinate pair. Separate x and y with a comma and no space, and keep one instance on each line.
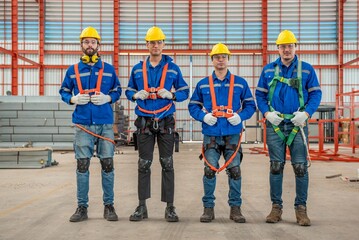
(299,118)
(80,99)
(210,119)
(143,94)
(273,118)
(164,93)
(235,119)
(100,98)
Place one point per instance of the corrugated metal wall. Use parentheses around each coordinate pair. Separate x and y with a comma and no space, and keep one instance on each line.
(191,27)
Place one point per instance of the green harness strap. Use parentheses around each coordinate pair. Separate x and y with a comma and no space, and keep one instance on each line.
(295,83)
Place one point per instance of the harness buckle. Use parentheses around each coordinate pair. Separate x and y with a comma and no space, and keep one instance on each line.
(222,108)
(229,112)
(87,91)
(152,89)
(152,95)
(155,124)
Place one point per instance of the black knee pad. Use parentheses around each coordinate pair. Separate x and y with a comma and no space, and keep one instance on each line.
(144,165)
(209,173)
(300,169)
(234,172)
(276,167)
(107,164)
(166,163)
(83,165)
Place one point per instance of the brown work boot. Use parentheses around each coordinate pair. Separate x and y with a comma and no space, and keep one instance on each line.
(275,215)
(208,215)
(236,215)
(301,214)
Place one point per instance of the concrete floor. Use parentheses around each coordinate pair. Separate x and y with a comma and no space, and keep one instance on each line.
(37,203)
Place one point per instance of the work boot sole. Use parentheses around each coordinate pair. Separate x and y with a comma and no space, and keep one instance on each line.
(83,218)
(273,221)
(138,218)
(240,220)
(303,224)
(171,219)
(114,218)
(206,220)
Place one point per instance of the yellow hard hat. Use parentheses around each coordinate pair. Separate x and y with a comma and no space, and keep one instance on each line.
(219,48)
(90,32)
(286,37)
(155,34)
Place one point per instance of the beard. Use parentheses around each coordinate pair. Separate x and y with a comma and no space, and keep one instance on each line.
(89,51)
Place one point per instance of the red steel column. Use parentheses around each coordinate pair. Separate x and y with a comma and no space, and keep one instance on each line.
(340,49)
(41,47)
(14,47)
(264,31)
(116,39)
(190,24)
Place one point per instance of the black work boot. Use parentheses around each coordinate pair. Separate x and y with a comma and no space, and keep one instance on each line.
(79,215)
(208,215)
(109,213)
(139,214)
(170,214)
(275,215)
(236,215)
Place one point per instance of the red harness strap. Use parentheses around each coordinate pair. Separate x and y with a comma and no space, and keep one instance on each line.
(218,170)
(222,111)
(98,84)
(153,91)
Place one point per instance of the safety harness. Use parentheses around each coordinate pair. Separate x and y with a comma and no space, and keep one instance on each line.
(218,170)
(153,91)
(222,111)
(292,82)
(98,84)
(97,89)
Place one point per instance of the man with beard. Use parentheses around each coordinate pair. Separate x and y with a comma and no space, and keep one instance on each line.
(150,86)
(221,102)
(93,86)
(288,93)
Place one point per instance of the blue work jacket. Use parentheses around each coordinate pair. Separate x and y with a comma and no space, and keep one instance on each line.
(90,113)
(174,80)
(286,98)
(201,104)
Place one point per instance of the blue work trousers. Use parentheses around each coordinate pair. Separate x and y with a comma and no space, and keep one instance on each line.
(84,146)
(213,156)
(298,153)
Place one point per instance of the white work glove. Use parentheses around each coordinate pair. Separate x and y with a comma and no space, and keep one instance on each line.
(273,118)
(143,94)
(299,118)
(164,93)
(235,119)
(210,119)
(100,98)
(80,99)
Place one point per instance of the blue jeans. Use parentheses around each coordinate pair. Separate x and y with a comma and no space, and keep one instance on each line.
(298,154)
(209,184)
(84,145)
